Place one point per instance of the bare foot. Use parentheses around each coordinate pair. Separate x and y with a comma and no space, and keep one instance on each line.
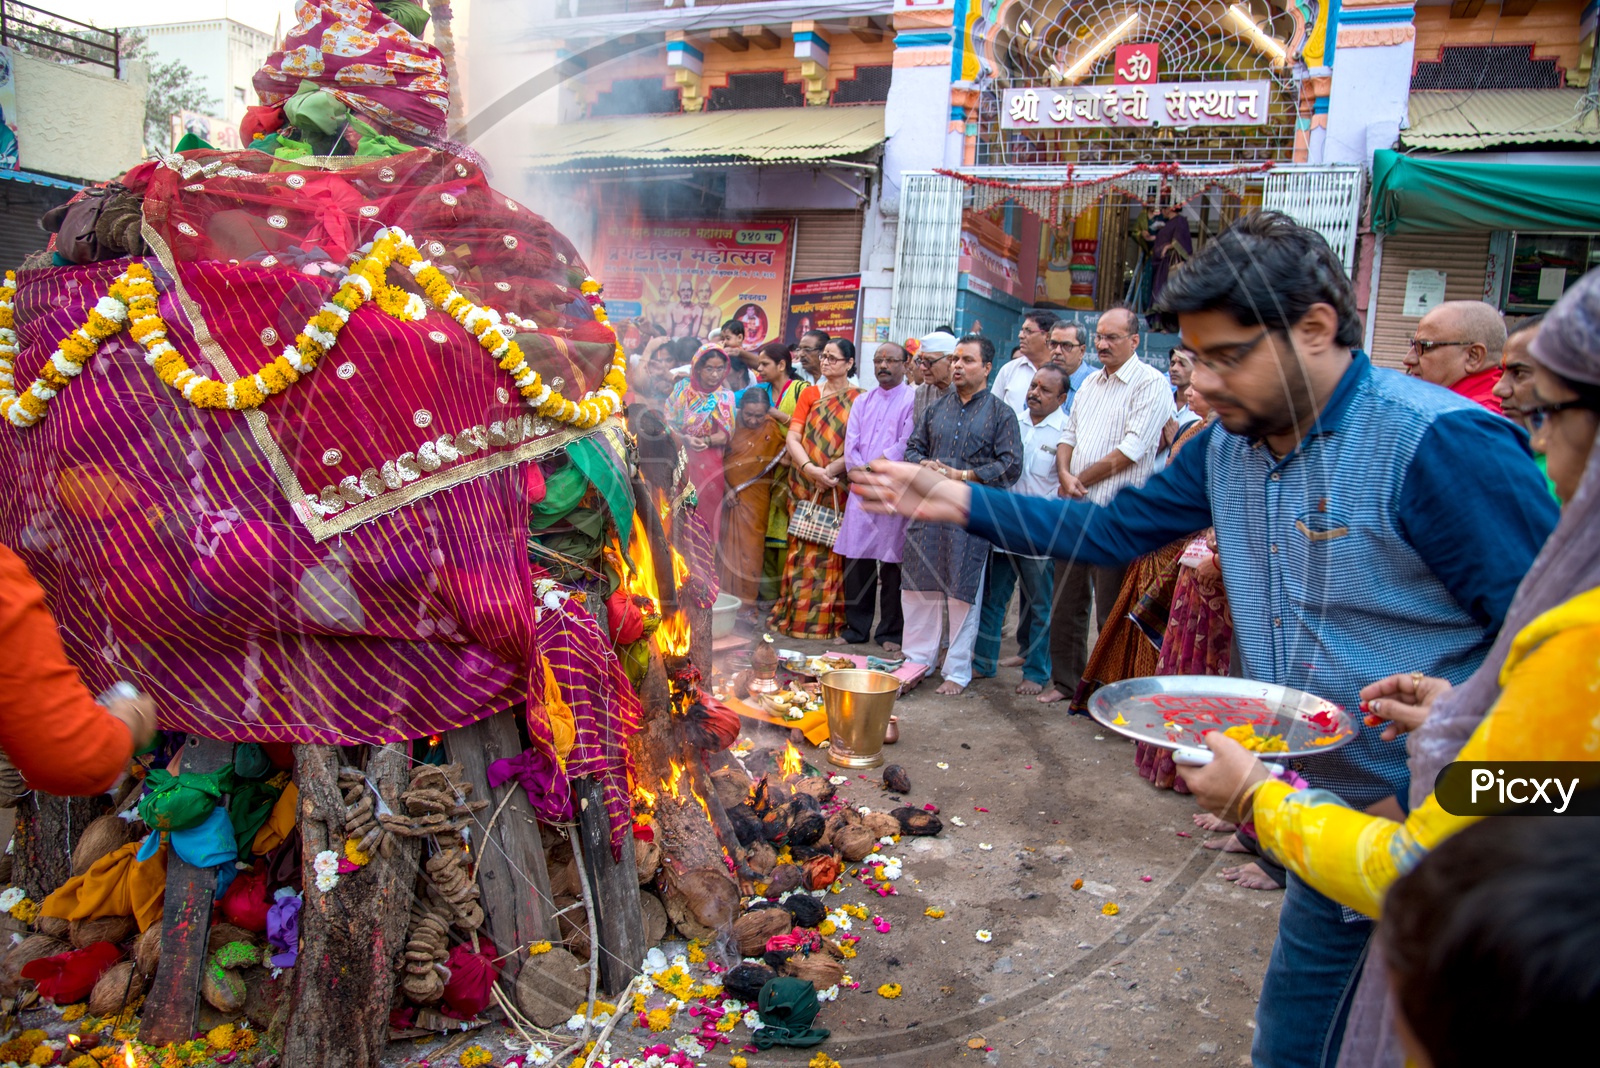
(841,640)
(1012,661)
(1250,877)
(1215,824)
(950,689)
(1230,844)
(891,647)
(1051,696)
(1026,687)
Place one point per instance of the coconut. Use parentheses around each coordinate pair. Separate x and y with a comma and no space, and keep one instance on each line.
(854,842)
(821,969)
(881,824)
(806,910)
(761,857)
(917,821)
(785,877)
(746,980)
(895,779)
(573,925)
(646,858)
(54,926)
(120,985)
(655,918)
(752,930)
(222,988)
(32,948)
(732,786)
(103,835)
(221,934)
(147,953)
(113,929)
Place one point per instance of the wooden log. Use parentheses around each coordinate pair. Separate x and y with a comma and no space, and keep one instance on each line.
(618,919)
(47,831)
(513,882)
(352,936)
(172,1005)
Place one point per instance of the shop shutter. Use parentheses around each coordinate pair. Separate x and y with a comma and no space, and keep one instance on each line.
(927,254)
(20,208)
(827,244)
(1462,257)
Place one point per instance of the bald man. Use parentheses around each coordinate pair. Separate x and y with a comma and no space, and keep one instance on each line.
(1458,345)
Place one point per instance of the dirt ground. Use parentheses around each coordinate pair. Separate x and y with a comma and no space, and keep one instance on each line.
(1046,799)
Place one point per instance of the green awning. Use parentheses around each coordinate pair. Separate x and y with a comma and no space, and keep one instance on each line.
(1413,196)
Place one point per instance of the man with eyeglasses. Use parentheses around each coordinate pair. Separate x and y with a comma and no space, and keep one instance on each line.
(1110,443)
(808,354)
(1367,525)
(934,352)
(1067,348)
(1033,340)
(1457,345)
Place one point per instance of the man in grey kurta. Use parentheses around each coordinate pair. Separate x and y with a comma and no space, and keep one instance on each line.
(971,435)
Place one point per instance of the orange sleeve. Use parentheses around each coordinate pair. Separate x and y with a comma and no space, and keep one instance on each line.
(50,727)
(802,407)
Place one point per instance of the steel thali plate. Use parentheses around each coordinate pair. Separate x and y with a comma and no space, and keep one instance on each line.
(1175,711)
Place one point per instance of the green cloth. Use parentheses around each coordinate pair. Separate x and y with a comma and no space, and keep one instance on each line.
(1412,196)
(179,802)
(290,149)
(191,141)
(595,462)
(248,811)
(312,109)
(375,145)
(250,761)
(410,16)
(563,490)
(787,1006)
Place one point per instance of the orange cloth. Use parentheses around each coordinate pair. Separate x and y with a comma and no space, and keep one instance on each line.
(280,821)
(114,885)
(50,727)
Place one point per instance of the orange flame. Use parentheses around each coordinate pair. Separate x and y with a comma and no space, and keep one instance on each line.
(643,797)
(791,762)
(672,783)
(73,1040)
(702,801)
(127,1054)
(672,637)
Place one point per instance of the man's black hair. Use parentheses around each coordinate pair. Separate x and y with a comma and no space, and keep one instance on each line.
(1527,322)
(1493,942)
(1264,270)
(1064,380)
(683,349)
(1044,320)
(985,346)
(734,327)
(821,336)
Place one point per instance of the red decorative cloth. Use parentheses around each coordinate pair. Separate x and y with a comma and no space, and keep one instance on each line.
(68,977)
(358,54)
(246,902)
(472,976)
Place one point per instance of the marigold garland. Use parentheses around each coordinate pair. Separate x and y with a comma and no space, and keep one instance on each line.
(132,302)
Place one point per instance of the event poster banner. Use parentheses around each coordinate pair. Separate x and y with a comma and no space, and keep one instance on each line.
(828,304)
(8,112)
(686,278)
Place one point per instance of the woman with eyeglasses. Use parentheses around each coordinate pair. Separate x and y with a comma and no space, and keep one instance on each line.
(1531,700)
(812,602)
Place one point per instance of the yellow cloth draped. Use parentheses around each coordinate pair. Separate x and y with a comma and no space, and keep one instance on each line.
(1545,712)
(280,821)
(114,885)
(563,725)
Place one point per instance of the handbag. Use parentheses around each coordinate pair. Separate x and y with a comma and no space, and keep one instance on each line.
(816,522)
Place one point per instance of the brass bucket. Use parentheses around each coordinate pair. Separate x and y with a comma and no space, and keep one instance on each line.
(858,704)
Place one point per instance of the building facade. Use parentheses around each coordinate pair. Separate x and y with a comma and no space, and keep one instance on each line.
(224,55)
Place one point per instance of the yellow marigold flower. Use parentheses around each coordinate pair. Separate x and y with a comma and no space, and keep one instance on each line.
(826,927)
(822,1060)
(221,1037)
(638,1003)
(729,1021)
(847,951)
(352,852)
(26,911)
(737,1061)
(74,1012)
(42,1055)
(1110,908)
(697,952)
(538,948)
(659,1019)
(933,913)
(476,1056)
(889,990)
(244,1039)
(83,1060)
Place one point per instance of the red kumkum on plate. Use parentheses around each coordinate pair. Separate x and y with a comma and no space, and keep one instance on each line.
(1175,711)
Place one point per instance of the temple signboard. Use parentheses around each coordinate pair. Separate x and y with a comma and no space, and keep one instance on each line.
(1243,103)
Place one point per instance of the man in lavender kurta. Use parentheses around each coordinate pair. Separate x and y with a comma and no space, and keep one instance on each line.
(880,425)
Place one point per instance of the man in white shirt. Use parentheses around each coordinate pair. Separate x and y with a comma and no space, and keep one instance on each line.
(1111,440)
(1041,424)
(1012,383)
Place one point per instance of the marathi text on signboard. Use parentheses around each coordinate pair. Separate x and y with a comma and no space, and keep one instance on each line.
(1160,104)
(686,278)
(827,304)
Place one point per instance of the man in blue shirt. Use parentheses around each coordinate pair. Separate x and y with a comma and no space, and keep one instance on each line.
(1366,526)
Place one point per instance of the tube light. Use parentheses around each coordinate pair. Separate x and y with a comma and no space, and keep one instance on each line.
(1263,43)
(1099,49)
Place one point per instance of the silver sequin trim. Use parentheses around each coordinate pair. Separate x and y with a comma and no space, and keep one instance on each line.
(269,336)
(502,394)
(461,169)
(269,261)
(438,337)
(422,417)
(277,222)
(448,200)
(511,240)
(295,181)
(185,228)
(504,287)
(512,204)
(435,248)
(369,210)
(386,174)
(346,370)
(195,188)
(332,457)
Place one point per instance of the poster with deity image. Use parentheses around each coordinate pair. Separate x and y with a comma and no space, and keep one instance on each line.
(685,278)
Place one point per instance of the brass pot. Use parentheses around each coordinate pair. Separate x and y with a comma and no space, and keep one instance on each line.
(858,704)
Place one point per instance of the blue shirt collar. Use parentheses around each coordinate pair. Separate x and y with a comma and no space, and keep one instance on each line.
(1333,413)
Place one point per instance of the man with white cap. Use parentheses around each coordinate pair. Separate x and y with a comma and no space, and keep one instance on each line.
(934,357)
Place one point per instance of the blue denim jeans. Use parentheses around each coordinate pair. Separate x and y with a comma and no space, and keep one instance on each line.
(1033,615)
(1311,977)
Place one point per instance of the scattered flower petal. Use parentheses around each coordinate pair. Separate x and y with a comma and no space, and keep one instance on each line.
(942,766)
(1110,908)
(984,936)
